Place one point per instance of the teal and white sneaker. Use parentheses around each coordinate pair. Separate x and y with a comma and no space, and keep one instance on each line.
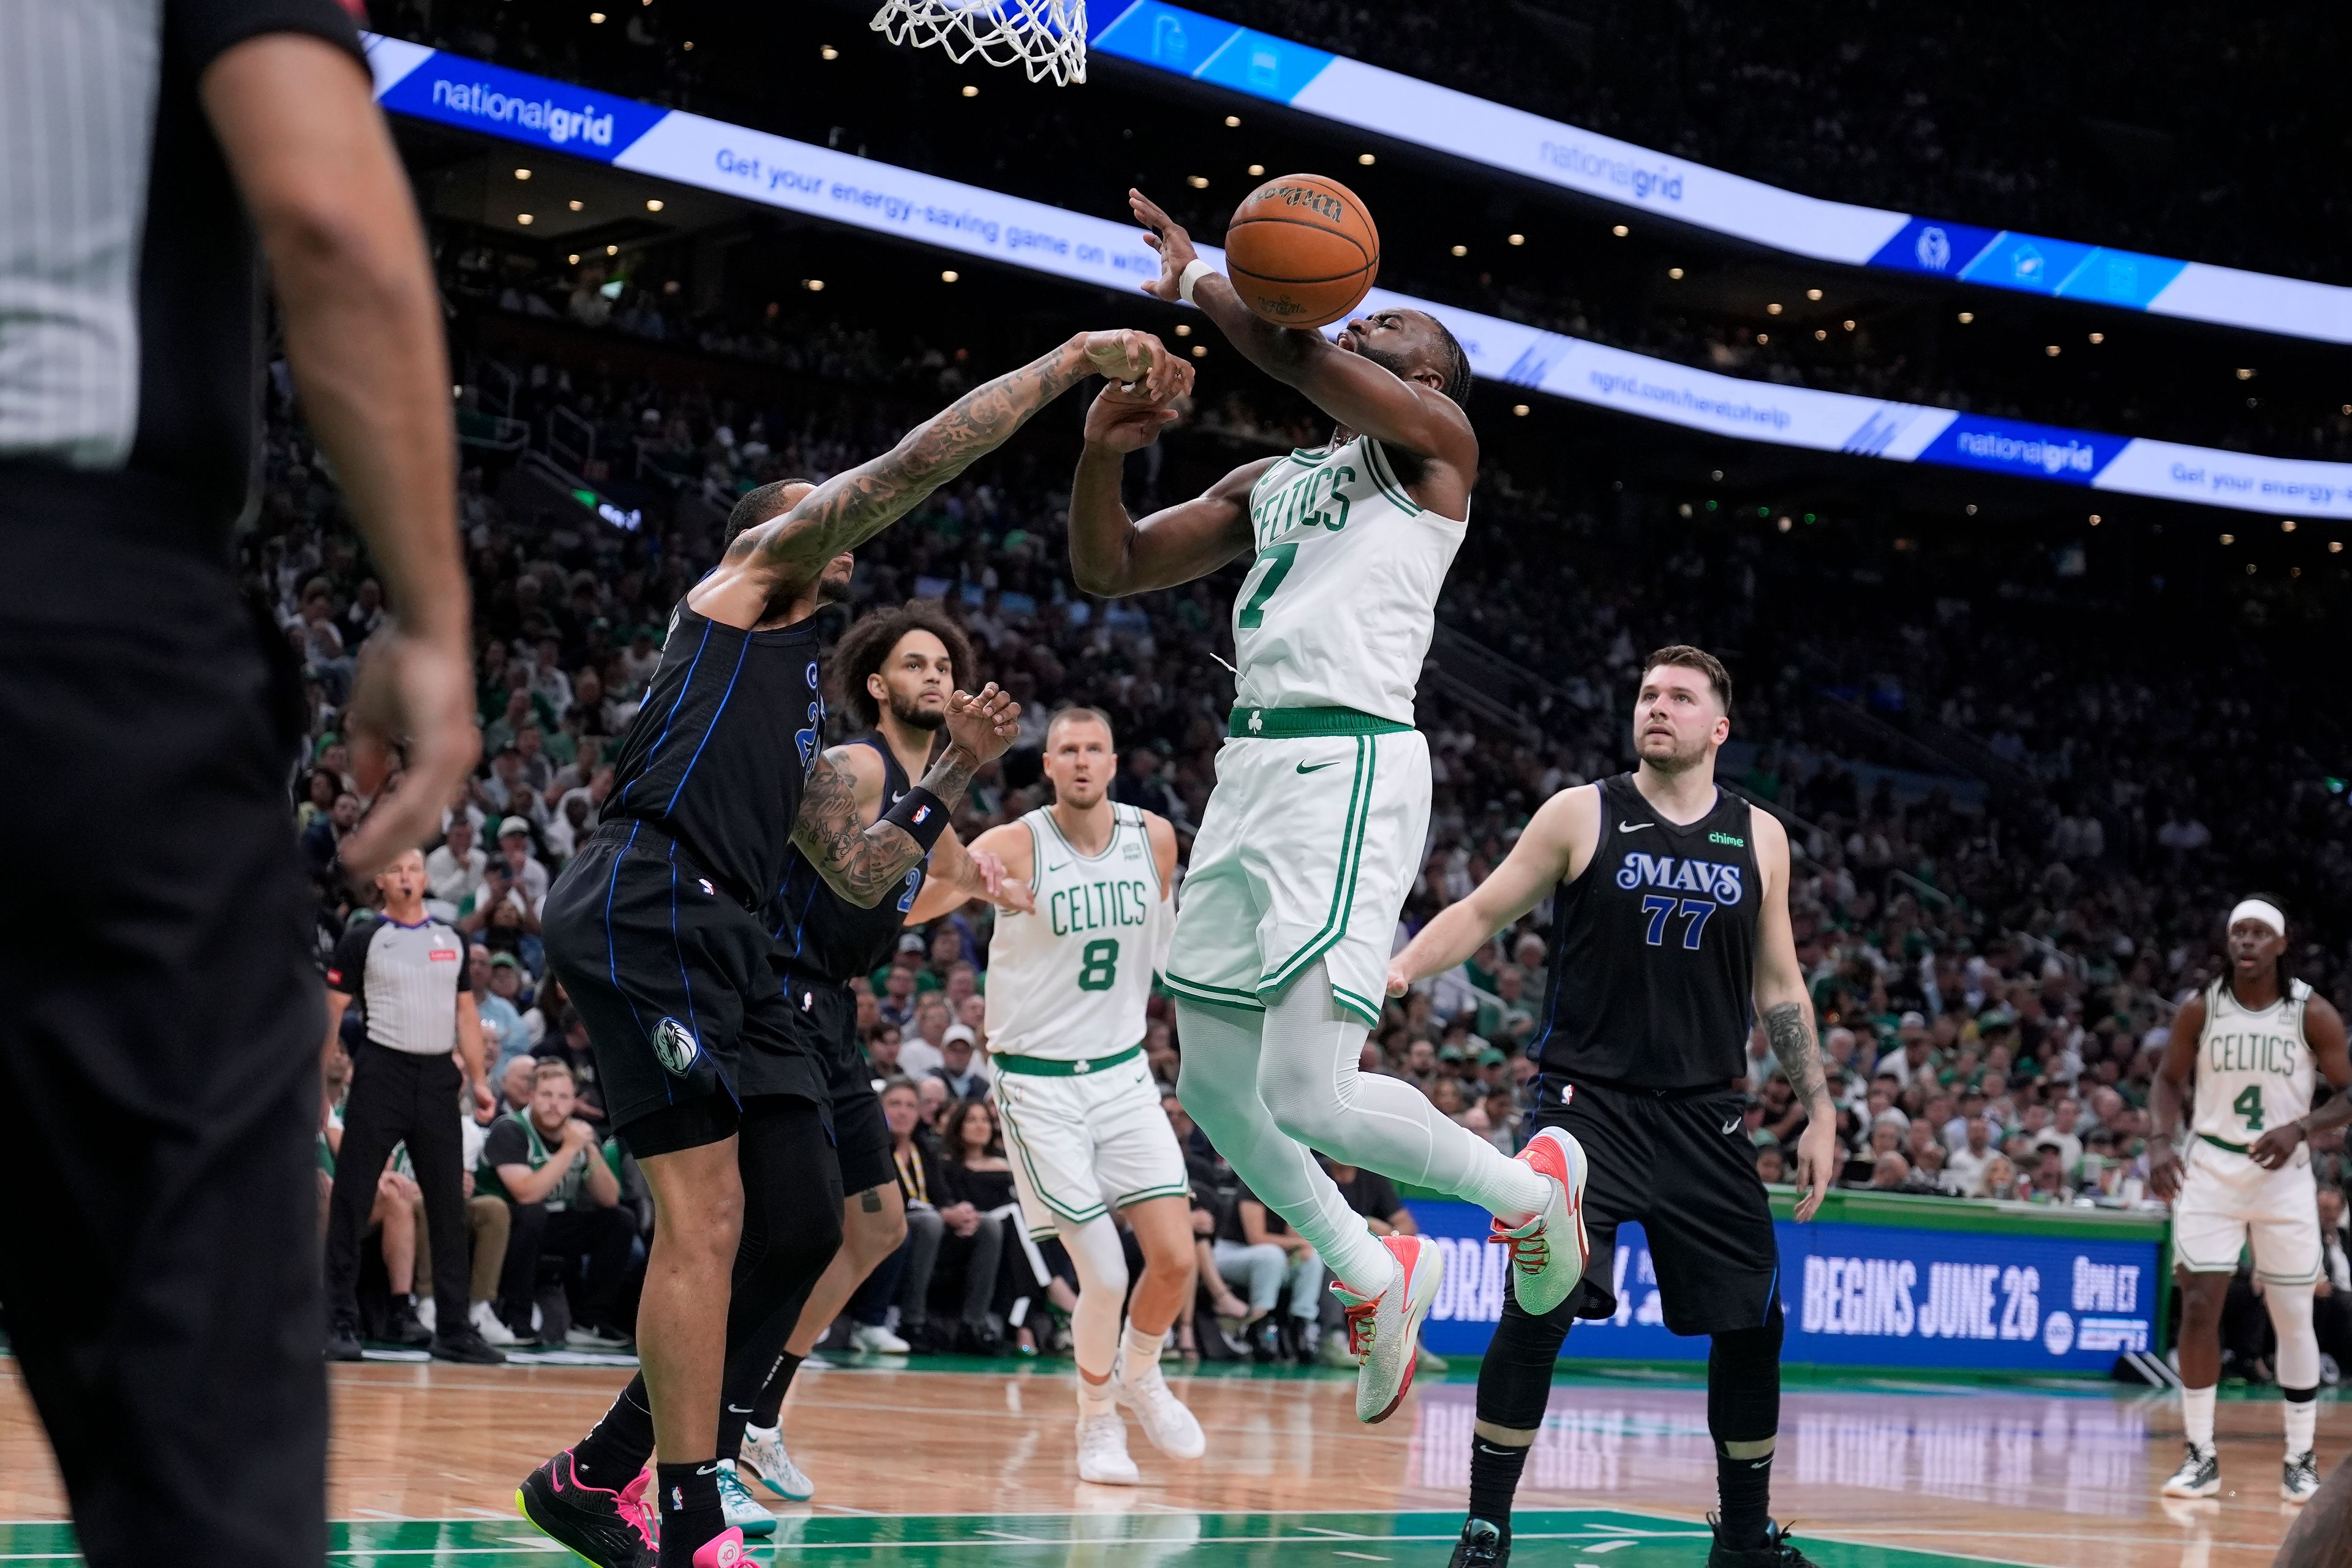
(2300,1483)
(2199,1474)
(743,1511)
(763,1450)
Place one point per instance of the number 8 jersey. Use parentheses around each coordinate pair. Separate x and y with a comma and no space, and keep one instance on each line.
(2254,1068)
(1071,982)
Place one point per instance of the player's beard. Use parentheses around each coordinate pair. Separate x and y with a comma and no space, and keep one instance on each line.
(1677,760)
(913,715)
(1396,364)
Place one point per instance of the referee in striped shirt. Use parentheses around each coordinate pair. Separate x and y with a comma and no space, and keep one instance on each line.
(408,973)
(158,1045)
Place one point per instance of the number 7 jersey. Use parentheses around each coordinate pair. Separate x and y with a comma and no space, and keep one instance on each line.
(1071,982)
(2254,1068)
(1340,604)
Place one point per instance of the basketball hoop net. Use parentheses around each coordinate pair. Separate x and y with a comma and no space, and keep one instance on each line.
(1044,37)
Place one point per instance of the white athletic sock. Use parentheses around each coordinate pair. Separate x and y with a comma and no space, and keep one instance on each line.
(1219,1087)
(1094,1398)
(2302,1425)
(2197,1415)
(1309,1077)
(1139,1352)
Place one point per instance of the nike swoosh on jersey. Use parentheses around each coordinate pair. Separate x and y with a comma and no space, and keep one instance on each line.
(1732,1125)
(1318,767)
(1634,827)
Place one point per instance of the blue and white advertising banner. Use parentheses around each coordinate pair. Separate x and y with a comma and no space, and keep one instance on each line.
(1855,1294)
(881,198)
(1170,38)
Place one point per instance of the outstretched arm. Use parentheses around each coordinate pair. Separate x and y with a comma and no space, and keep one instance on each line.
(1113,554)
(849,509)
(1544,857)
(1784,1004)
(995,867)
(861,861)
(1366,397)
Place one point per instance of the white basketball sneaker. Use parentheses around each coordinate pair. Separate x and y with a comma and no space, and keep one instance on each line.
(1384,1331)
(763,1450)
(1165,1420)
(1548,1253)
(2300,1481)
(742,1511)
(1102,1450)
(491,1327)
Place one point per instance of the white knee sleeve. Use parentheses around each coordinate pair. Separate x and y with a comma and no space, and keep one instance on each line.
(1101,1264)
(2298,1342)
(1310,1079)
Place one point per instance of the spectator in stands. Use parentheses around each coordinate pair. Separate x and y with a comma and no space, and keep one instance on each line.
(1966,1166)
(565,1191)
(980,1211)
(528,878)
(322,841)
(453,872)
(2332,1308)
(1138,784)
(503,1035)
(1260,1256)
(959,1067)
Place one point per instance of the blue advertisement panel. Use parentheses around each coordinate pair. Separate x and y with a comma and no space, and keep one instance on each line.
(1855,1294)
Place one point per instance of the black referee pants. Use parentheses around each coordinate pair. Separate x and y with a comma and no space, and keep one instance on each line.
(159,1043)
(400,1096)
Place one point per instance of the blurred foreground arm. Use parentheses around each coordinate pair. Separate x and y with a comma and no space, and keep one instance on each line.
(316,166)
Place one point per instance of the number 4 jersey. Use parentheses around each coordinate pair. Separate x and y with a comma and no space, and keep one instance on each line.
(1071,982)
(1651,987)
(2254,1068)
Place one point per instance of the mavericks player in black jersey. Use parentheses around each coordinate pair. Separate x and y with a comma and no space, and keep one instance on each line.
(1671,918)
(897,670)
(656,930)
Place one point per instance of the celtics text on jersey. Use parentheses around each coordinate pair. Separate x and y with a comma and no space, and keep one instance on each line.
(2255,1068)
(1071,982)
(1340,604)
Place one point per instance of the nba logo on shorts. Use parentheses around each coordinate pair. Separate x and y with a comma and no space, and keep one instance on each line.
(708,890)
(675,1044)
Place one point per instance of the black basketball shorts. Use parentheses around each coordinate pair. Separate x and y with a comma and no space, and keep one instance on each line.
(825,1015)
(671,976)
(1682,1168)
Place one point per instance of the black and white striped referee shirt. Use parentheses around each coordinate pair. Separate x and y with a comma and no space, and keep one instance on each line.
(406,979)
(130,288)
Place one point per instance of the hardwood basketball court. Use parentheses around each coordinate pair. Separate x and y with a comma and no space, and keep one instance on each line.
(968,1464)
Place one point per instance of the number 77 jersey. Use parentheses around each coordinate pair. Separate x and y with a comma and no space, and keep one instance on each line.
(1071,982)
(1655,969)
(1341,601)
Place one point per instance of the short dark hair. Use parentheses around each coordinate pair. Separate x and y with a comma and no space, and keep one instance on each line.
(1081,711)
(866,646)
(762,503)
(1683,656)
(1454,360)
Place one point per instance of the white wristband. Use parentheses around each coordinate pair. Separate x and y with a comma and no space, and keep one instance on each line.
(1194,270)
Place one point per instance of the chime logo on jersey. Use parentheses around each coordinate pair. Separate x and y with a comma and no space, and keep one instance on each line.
(675,1044)
(1712,877)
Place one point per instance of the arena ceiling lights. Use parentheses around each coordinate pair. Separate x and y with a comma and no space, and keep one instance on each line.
(1170,39)
(775,170)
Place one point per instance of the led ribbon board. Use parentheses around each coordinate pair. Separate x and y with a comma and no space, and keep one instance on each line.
(1168,38)
(774,170)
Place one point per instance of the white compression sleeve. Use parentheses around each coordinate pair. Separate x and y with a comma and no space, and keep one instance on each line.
(1309,1077)
(1101,1264)
(1219,1087)
(2298,1341)
(2197,1415)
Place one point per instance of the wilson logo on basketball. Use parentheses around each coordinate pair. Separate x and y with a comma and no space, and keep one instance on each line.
(1308,196)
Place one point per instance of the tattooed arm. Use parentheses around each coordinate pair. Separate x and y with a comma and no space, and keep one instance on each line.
(775,560)
(863,862)
(1785,1005)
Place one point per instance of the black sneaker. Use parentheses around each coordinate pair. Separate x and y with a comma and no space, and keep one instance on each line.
(344,1338)
(610,1529)
(1776,1552)
(1481,1546)
(465,1343)
(400,1327)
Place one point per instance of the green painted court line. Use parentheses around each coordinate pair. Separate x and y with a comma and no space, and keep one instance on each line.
(1170,1539)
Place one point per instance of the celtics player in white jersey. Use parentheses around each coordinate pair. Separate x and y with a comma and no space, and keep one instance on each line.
(1316,829)
(2253,1043)
(1081,932)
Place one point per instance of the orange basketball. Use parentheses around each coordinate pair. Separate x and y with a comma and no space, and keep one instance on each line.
(1302,250)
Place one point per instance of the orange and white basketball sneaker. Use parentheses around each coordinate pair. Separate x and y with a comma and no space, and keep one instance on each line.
(1548,1252)
(1384,1331)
